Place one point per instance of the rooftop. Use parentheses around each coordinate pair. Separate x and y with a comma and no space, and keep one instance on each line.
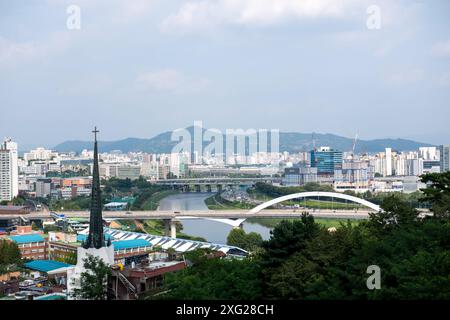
(27,238)
(45,265)
(52,296)
(180,245)
(129,244)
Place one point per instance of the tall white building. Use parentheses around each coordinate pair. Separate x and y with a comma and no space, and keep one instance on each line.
(9,170)
(388,165)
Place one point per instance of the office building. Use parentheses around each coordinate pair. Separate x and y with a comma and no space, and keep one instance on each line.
(326,160)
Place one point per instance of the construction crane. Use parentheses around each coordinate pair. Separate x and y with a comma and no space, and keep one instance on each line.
(354,146)
(314,150)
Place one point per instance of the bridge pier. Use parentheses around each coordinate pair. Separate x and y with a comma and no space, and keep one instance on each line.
(173,228)
(167,227)
(170,228)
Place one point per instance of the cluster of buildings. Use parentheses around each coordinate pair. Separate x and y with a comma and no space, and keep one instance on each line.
(128,246)
(138,261)
(46,173)
(381,172)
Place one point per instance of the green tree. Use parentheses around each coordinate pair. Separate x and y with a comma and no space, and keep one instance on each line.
(250,242)
(93,281)
(321,270)
(287,238)
(214,279)
(438,193)
(395,212)
(9,253)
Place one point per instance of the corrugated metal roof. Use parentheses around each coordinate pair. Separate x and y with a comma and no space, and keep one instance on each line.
(46,265)
(131,244)
(27,238)
(181,245)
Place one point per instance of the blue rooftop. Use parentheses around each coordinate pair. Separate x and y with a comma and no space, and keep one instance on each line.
(53,296)
(27,238)
(130,244)
(45,265)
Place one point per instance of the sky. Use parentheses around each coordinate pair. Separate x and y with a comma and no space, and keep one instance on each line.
(138,68)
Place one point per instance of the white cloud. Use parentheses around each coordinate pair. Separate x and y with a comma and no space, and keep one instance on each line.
(197,15)
(116,11)
(444,80)
(89,84)
(441,49)
(406,77)
(172,80)
(15,53)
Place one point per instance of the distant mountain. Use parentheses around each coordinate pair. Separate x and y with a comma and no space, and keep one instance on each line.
(289,141)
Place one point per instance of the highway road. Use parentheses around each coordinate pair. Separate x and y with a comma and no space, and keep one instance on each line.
(219,214)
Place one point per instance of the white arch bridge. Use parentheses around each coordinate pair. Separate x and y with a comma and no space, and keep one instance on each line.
(315,194)
(231,217)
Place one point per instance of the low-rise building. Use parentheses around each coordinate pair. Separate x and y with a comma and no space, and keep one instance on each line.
(32,246)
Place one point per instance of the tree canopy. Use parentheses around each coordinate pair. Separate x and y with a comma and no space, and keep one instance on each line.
(93,281)
(247,241)
(9,255)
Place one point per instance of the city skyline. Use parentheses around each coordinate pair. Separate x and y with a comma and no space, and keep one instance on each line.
(142,69)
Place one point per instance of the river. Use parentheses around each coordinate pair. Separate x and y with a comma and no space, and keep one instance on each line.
(212,231)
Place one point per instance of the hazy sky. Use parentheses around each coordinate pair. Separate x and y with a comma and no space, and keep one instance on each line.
(138,68)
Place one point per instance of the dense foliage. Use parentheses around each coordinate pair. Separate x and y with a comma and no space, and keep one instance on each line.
(10,256)
(303,260)
(216,279)
(247,241)
(438,193)
(93,281)
(274,191)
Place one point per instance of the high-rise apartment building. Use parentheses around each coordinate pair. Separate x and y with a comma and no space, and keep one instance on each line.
(445,157)
(9,170)
(388,166)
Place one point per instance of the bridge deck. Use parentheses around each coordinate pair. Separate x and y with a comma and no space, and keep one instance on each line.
(222,214)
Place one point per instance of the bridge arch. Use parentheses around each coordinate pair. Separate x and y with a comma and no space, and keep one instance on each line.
(315,194)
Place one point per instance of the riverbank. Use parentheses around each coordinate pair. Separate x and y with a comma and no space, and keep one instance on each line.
(216,202)
(326,222)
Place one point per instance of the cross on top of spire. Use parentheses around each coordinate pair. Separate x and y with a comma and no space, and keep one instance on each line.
(95,131)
